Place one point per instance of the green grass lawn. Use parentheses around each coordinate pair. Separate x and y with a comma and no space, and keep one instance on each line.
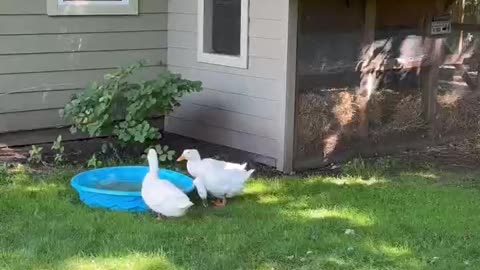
(409,220)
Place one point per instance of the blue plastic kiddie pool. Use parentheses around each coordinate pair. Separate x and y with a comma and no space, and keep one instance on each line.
(119,188)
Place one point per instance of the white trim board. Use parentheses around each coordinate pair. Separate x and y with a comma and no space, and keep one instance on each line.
(76,8)
(220,59)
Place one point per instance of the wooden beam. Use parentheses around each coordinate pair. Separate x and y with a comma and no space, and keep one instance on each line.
(368,77)
(468,27)
(429,93)
(430,76)
(370,22)
(461,19)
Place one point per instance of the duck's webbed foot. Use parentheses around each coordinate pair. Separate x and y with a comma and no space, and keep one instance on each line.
(220,202)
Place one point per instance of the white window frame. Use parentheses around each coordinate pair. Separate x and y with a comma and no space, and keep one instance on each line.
(221,59)
(66,8)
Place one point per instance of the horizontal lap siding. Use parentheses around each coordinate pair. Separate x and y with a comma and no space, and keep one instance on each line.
(43,24)
(238,107)
(65,43)
(224,136)
(30,120)
(58,80)
(78,61)
(35,100)
(45,60)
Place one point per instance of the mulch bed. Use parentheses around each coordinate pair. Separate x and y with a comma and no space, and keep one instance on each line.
(78,152)
(462,154)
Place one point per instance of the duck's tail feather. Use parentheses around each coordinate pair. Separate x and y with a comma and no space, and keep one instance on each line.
(187,204)
(249,173)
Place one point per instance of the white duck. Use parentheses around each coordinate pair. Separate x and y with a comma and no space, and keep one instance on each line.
(161,196)
(219,178)
(201,189)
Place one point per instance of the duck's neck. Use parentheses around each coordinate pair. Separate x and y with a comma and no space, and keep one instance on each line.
(194,161)
(192,166)
(153,164)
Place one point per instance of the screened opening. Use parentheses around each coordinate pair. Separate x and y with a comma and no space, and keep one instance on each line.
(329,43)
(403,100)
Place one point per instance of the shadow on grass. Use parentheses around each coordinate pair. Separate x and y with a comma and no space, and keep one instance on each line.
(288,224)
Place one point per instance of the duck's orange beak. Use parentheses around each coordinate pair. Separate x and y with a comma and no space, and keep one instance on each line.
(181,158)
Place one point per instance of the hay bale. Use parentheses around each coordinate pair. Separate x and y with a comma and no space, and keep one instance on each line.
(344,108)
(322,115)
(312,122)
(404,115)
(407,114)
(381,107)
(376,108)
(459,111)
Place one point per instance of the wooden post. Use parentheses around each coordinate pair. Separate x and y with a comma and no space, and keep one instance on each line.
(368,77)
(431,74)
(430,83)
(459,17)
(478,77)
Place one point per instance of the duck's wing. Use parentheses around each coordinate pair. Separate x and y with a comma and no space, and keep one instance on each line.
(223,165)
(235,166)
(212,164)
(174,194)
(153,191)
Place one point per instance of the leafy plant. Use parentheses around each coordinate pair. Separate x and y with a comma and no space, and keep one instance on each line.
(165,154)
(3,172)
(35,155)
(367,169)
(124,108)
(110,148)
(59,150)
(105,147)
(94,162)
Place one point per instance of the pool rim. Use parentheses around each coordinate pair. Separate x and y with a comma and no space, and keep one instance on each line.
(81,188)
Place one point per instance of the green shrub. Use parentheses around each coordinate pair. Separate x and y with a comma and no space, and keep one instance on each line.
(94,162)
(35,155)
(122,108)
(3,173)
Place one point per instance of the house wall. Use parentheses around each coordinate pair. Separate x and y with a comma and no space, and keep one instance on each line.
(239,108)
(44,60)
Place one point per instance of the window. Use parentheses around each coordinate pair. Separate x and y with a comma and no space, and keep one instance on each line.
(223,32)
(92,7)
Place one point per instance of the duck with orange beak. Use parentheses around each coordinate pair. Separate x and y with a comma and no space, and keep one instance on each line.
(218,178)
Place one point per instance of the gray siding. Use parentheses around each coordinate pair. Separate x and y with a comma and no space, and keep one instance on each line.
(240,108)
(44,60)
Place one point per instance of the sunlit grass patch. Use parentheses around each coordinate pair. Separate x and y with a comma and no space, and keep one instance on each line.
(400,220)
(134,261)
